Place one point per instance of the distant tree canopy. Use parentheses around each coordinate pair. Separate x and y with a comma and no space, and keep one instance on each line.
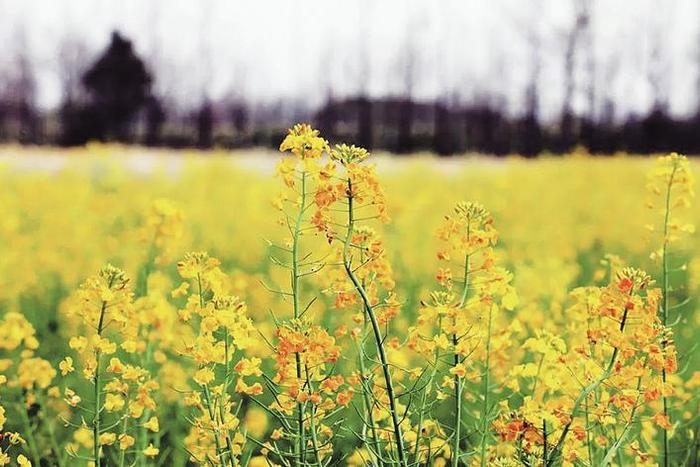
(118,86)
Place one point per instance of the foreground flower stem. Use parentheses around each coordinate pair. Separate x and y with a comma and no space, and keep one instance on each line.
(589,442)
(664,310)
(54,444)
(365,389)
(122,452)
(97,383)
(557,450)
(207,393)
(301,446)
(428,387)
(612,452)
(224,392)
(374,441)
(29,433)
(314,439)
(212,417)
(484,414)
(458,381)
(142,291)
(375,329)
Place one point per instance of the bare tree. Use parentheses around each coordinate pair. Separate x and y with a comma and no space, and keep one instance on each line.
(532,132)
(327,115)
(443,141)
(204,115)
(365,121)
(657,73)
(591,63)
(408,65)
(656,127)
(581,22)
(19,118)
(73,60)
(588,123)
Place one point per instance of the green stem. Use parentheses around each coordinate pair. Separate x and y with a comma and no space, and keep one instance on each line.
(212,417)
(558,447)
(537,376)
(376,330)
(485,410)
(301,445)
(96,381)
(122,452)
(142,291)
(224,392)
(610,455)
(314,440)
(142,432)
(664,311)
(54,444)
(589,445)
(31,441)
(458,381)
(207,393)
(365,393)
(424,400)
(374,442)
(544,435)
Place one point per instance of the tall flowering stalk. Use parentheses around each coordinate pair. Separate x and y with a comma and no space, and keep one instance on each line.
(433,346)
(121,391)
(372,272)
(158,325)
(464,311)
(671,184)
(601,380)
(322,393)
(222,329)
(358,189)
(302,172)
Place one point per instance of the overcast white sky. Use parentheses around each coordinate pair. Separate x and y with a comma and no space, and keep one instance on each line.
(270,49)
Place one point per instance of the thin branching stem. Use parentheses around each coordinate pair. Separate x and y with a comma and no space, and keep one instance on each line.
(558,447)
(485,409)
(295,275)
(458,380)
(379,341)
(664,309)
(98,383)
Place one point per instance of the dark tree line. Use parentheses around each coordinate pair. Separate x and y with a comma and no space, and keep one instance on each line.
(484,127)
(112,99)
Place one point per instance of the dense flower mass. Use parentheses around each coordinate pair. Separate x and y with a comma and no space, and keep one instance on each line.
(381,321)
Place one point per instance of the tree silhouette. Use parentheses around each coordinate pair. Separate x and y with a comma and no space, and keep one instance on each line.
(118,85)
